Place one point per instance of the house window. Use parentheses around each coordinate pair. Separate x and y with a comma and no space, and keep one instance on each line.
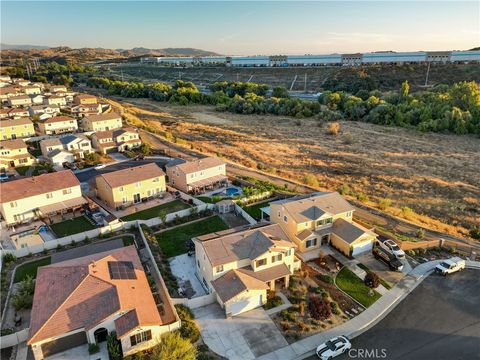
(49,195)
(67,191)
(349,214)
(198,264)
(120,188)
(311,243)
(140,337)
(13,204)
(261,262)
(156,179)
(124,200)
(324,222)
(137,184)
(219,269)
(285,218)
(276,258)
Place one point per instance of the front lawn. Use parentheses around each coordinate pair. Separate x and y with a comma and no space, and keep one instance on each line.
(385,284)
(72,226)
(254,210)
(170,207)
(354,286)
(30,269)
(172,242)
(22,170)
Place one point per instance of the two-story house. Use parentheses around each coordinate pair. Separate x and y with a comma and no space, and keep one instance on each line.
(40,196)
(240,266)
(57,125)
(16,128)
(116,140)
(321,218)
(81,301)
(199,175)
(123,188)
(31,90)
(13,113)
(56,100)
(57,88)
(84,99)
(85,110)
(14,153)
(19,100)
(102,122)
(78,145)
(50,110)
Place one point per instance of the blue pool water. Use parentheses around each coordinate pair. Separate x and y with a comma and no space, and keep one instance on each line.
(231,191)
(43,229)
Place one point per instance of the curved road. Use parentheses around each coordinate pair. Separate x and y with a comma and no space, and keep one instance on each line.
(439,320)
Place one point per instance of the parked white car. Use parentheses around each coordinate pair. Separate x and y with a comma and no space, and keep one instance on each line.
(450,266)
(333,348)
(392,247)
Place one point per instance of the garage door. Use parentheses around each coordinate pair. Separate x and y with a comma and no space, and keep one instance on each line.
(362,247)
(65,343)
(243,305)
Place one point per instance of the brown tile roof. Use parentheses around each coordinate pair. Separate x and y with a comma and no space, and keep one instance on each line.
(107,134)
(80,293)
(36,185)
(132,175)
(51,142)
(201,164)
(244,244)
(348,231)
(302,235)
(13,111)
(313,206)
(13,144)
(56,97)
(56,119)
(15,122)
(20,97)
(85,96)
(234,282)
(102,117)
(126,323)
(268,274)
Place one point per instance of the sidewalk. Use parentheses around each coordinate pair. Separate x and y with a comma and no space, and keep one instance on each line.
(365,320)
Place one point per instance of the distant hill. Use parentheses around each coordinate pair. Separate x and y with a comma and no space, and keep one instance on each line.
(63,54)
(475,48)
(22,47)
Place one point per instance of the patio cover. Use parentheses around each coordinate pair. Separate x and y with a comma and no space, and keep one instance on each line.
(62,205)
(209,181)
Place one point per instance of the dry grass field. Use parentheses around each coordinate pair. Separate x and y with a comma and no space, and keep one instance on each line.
(435,175)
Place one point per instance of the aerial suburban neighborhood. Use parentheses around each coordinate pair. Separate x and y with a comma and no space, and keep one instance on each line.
(294,194)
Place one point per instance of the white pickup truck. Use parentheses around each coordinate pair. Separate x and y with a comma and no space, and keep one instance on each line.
(450,266)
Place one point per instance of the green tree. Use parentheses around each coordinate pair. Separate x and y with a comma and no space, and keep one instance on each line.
(280,92)
(174,347)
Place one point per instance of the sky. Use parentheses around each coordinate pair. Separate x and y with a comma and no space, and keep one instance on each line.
(247,27)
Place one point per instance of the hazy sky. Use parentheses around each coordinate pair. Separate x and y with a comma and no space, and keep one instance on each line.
(228,27)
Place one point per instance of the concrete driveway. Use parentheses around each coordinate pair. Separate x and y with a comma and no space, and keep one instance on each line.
(380,268)
(243,337)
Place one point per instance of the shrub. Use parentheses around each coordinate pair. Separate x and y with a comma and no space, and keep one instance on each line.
(288,315)
(113,346)
(285,325)
(333,128)
(475,233)
(319,308)
(93,348)
(189,330)
(8,258)
(310,180)
(173,346)
(372,280)
(420,233)
(348,139)
(335,308)
(384,203)
(326,278)
(362,197)
(273,302)
(411,252)
(302,326)
(406,211)
(184,312)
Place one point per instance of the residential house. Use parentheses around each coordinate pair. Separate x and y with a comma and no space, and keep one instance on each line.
(5,78)
(16,128)
(4,113)
(14,153)
(37,99)
(8,92)
(40,196)
(19,100)
(81,301)
(55,100)
(198,175)
(321,218)
(21,82)
(57,125)
(48,145)
(79,145)
(59,157)
(116,140)
(13,113)
(102,122)
(240,266)
(32,90)
(123,188)
(51,110)
(86,110)
(58,88)
(68,148)
(84,99)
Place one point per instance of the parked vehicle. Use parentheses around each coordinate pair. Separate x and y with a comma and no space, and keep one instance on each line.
(450,266)
(388,258)
(333,347)
(391,246)
(69,165)
(101,166)
(4,177)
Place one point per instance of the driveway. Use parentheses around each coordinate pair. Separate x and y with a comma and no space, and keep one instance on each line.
(117,156)
(243,337)
(380,268)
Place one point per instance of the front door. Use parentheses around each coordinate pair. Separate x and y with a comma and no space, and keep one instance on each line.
(100,335)
(136,198)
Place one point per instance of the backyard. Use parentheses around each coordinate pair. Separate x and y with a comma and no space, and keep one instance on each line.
(72,226)
(170,207)
(173,241)
(30,268)
(254,210)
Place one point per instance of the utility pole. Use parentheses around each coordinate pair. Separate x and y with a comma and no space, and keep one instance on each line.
(426,77)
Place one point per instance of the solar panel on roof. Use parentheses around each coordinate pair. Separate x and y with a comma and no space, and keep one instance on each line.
(121,270)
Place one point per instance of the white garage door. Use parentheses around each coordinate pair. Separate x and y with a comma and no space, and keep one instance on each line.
(362,247)
(243,305)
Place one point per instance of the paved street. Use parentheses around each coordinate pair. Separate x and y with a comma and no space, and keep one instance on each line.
(439,320)
(89,174)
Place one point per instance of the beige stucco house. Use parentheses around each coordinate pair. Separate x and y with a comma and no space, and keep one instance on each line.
(240,266)
(80,301)
(57,125)
(199,175)
(16,128)
(14,153)
(40,196)
(321,218)
(123,188)
(102,122)
(56,100)
(19,100)
(116,140)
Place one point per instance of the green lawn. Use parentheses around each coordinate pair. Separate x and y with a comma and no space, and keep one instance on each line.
(72,226)
(22,169)
(127,240)
(254,210)
(354,286)
(385,284)
(30,269)
(170,207)
(205,199)
(172,242)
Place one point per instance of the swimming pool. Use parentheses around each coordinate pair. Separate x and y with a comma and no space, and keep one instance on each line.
(231,191)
